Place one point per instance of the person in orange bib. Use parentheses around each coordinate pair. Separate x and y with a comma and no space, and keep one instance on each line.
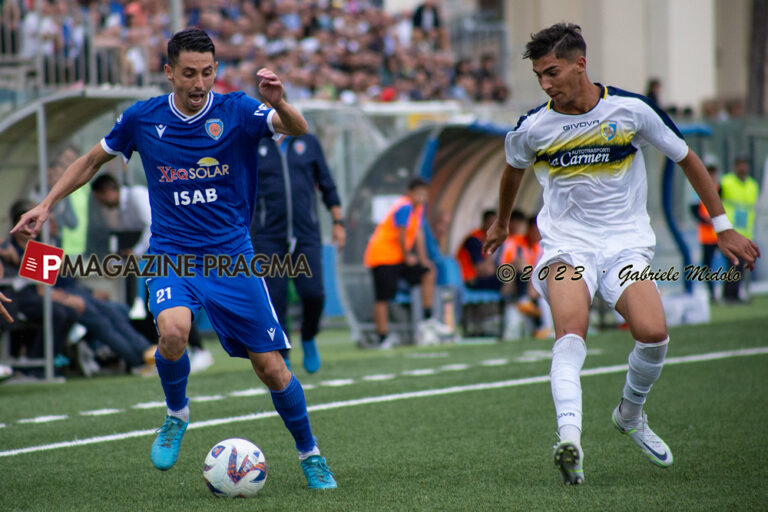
(707,235)
(510,252)
(478,270)
(390,256)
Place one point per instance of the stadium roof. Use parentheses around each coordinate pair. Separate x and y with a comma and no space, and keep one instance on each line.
(66,112)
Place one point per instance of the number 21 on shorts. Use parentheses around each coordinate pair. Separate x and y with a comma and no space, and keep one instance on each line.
(162,294)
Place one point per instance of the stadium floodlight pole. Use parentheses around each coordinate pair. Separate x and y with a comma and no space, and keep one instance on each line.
(42,164)
(90,35)
(39,63)
(177,16)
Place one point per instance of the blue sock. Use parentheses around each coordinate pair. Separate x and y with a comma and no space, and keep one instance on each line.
(173,377)
(292,407)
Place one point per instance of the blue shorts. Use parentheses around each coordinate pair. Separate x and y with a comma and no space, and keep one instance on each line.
(238,307)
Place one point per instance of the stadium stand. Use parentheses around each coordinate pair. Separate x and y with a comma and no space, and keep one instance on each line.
(348,51)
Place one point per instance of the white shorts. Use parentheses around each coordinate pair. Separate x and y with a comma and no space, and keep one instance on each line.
(602,270)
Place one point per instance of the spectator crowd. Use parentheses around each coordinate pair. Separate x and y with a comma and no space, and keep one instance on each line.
(349,51)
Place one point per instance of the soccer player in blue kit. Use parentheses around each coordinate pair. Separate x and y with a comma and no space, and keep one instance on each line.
(199,153)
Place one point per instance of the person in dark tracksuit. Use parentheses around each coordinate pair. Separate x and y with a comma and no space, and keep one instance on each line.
(285,221)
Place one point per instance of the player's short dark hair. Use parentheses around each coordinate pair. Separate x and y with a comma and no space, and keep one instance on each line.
(562,38)
(517,215)
(105,182)
(487,214)
(19,208)
(532,220)
(189,40)
(416,183)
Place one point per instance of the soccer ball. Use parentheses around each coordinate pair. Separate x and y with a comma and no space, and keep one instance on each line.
(235,468)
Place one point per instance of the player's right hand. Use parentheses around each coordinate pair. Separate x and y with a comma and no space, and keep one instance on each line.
(735,246)
(494,237)
(32,221)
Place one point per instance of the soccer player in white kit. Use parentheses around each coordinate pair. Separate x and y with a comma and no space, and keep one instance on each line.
(584,146)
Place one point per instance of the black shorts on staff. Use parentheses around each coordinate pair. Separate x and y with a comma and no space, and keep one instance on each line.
(385,278)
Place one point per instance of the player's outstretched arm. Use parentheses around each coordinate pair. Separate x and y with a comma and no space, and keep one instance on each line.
(733,245)
(76,175)
(287,119)
(510,184)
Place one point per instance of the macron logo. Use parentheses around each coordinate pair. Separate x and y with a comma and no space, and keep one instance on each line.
(261,110)
(41,262)
(271,333)
(160,129)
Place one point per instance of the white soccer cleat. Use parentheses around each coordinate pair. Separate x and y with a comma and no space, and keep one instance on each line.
(652,445)
(569,458)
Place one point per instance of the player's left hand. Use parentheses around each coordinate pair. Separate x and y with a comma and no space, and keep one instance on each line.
(735,246)
(338,236)
(270,87)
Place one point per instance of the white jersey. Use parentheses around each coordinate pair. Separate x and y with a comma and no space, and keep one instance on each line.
(592,173)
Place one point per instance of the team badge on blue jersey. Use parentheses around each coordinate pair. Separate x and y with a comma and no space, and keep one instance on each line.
(214,128)
(608,130)
(263,150)
(300,147)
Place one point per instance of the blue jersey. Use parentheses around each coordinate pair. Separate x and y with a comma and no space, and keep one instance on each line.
(200,169)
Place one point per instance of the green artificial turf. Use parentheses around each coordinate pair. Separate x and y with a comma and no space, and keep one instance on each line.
(469,450)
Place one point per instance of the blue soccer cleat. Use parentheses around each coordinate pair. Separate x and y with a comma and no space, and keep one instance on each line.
(165,449)
(317,473)
(311,356)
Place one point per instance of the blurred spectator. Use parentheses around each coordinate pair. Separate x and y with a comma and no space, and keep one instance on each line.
(428,26)
(477,269)
(73,237)
(739,192)
(129,211)
(28,299)
(653,91)
(108,325)
(395,251)
(10,27)
(129,218)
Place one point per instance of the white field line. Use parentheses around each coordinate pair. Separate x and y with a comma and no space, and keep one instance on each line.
(386,398)
(101,412)
(379,377)
(44,419)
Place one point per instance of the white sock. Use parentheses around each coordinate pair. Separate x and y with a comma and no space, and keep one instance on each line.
(645,363)
(570,433)
(182,414)
(568,355)
(310,453)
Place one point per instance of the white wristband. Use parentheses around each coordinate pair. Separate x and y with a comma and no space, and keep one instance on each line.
(721,223)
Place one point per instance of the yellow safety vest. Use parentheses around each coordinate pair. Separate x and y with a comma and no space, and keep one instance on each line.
(739,199)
